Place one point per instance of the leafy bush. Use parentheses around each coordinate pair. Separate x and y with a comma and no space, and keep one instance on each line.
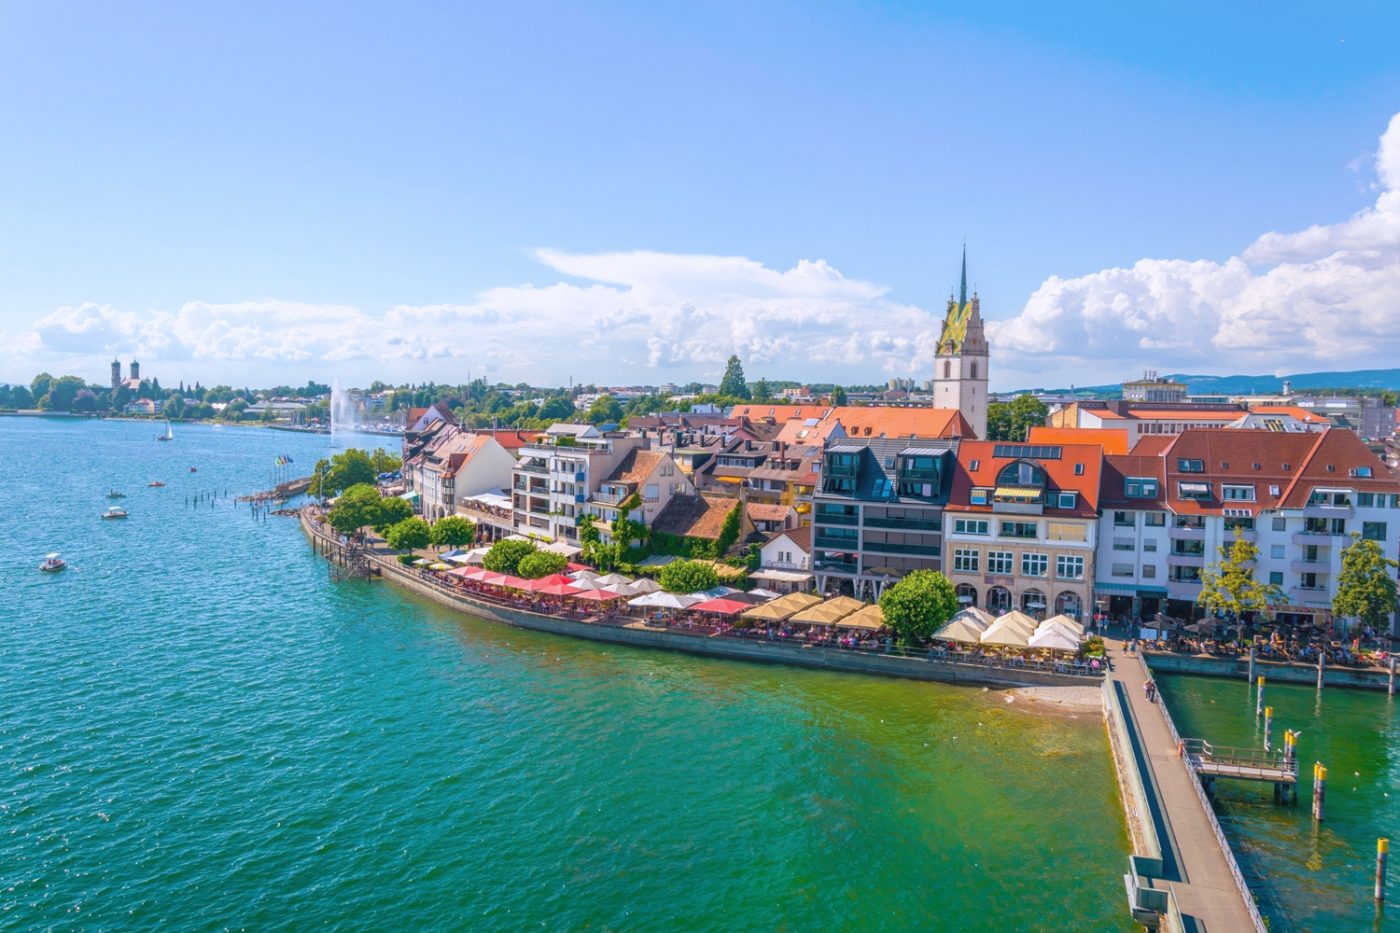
(687,576)
(728,532)
(541,564)
(918,605)
(505,556)
(406,559)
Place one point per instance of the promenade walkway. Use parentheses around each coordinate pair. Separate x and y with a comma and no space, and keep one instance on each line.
(1194,863)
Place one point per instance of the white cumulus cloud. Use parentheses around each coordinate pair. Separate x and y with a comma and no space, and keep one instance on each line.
(1324,297)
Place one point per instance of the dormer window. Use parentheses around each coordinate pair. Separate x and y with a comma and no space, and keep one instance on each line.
(1021,473)
(1185,465)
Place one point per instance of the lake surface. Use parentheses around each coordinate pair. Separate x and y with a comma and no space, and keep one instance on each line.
(1308,876)
(199,729)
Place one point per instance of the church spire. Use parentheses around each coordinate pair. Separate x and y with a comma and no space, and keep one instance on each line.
(962,294)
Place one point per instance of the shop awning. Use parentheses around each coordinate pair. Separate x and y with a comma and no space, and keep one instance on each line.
(1018,493)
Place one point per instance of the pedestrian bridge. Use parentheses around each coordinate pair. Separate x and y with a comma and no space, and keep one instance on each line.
(1245,764)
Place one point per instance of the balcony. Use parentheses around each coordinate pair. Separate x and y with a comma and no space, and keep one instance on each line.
(610,498)
(840,544)
(912,524)
(1316,538)
(1187,533)
(835,566)
(829,518)
(1184,560)
(1308,596)
(885,547)
(532,466)
(1180,590)
(1328,511)
(1311,566)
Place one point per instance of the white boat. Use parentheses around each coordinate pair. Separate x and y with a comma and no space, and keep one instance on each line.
(115,511)
(52,563)
(167,436)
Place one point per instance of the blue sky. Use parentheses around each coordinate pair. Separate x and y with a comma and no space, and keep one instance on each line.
(630,192)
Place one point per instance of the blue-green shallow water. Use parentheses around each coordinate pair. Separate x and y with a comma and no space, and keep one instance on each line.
(200,730)
(1307,876)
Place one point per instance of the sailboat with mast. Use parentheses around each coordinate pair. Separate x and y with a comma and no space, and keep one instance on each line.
(167,436)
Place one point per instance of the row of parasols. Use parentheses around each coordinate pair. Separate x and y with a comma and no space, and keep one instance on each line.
(758,606)
(974,626)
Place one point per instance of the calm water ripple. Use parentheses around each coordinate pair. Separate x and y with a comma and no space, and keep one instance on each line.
(200,730)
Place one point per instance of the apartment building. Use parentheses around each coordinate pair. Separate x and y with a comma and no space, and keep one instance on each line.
(649,475)
(1021,526)
(1130,576)
(1297,497)
(877,512)
(457,463)
(558,472)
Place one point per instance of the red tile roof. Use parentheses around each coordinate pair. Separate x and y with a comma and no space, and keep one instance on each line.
(1060,476)
(1117,468)
(1113,440)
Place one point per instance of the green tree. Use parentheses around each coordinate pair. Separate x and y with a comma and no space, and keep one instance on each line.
(21,397)
(408,535)
(838,396)
(175,408)
(588,537)
(453,531)
(557,409)
(687,576)
(343,470)
(1366,588)
(1012,421)
(63,390)
(505,556)
(40,384)
(384,462)
(541,564)
(1229,587)
(392,510)
(733,382)
(85,401)
(762,391)
(357,507)
(919,604)
(605,409)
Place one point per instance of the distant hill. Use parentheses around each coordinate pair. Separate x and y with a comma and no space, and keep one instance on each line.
(1377,379)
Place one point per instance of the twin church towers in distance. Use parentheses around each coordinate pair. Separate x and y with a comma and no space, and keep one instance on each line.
(961,362)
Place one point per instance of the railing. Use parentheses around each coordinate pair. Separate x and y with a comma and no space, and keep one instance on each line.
(885,547)
(825,518)
(1263,764)
(1224,843)
(913,524)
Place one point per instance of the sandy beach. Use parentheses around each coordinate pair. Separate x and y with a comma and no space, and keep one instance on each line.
(1059,701)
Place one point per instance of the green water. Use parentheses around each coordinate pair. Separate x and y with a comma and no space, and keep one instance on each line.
(200,730)
(1307,876)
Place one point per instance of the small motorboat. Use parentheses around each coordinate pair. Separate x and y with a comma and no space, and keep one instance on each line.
(115,494)
(194,470)
(155,483)
(114,511)
(52,563)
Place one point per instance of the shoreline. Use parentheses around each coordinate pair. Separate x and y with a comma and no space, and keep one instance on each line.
(910,667)
(1071,701)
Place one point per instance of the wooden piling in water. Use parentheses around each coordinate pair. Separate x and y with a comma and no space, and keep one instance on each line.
(1319,790)
(1268,728)
(1321,659)
(1251,664)
(1259,698)
(1382,850)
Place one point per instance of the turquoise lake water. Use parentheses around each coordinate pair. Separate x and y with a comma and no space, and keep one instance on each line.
(200,730)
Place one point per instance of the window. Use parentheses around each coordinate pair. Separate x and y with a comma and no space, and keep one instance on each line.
(1069,568)
(1019,529)
(1194,490)
(1361,471)
(1065,531)
(1140,487)
(1123,520)
(1373,531)
(1155,519)
(1280,524)
(1149,572)
(1190,466)
(1079,469)
(979,496)
(975,465)
(1035,565)
(947,369)
(970,526)
(1237,493)
(965,560)
(1021,473)
(1122,570)
(1276,551)
(1000,563)
(1365,500)
(1149,545)
(1069,500)
(1276,578)
(1033,451)
(652,493)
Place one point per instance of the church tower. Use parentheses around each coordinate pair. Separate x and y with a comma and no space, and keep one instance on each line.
(960,367)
